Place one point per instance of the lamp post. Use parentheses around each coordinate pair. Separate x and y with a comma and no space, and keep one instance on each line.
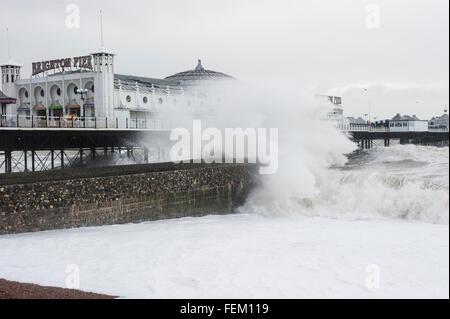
(370,106)
(83,93)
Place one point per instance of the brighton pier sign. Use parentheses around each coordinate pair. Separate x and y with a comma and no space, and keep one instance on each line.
(82,62)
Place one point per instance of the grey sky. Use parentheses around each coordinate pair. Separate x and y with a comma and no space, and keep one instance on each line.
(323,46)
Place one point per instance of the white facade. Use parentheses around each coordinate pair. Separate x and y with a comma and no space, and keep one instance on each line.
(408,126)
(109,99)
(439,122)
(10,76)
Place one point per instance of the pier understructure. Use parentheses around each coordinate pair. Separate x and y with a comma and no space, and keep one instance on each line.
(370,139)
(23,150)
(42,149)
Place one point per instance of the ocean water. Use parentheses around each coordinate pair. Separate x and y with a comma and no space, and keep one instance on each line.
(376,227)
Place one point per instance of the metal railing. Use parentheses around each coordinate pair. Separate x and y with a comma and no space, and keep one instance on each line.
(366,128)
(32,121)
(361,128)
(438,130)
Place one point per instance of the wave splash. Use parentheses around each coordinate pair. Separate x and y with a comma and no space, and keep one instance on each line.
(403,181)
(315,177)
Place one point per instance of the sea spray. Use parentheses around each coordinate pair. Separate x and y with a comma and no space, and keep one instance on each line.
(316,175)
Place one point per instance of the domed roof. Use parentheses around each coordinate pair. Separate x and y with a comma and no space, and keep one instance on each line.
(198,75)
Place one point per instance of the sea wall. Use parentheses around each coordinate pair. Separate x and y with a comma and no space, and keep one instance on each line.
(71,198)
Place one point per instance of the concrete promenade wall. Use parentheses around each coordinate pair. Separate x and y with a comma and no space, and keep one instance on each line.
(120,194)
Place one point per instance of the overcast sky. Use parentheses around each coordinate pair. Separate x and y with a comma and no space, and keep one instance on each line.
(398,49)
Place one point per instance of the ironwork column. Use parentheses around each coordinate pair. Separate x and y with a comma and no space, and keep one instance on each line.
(32,160)
(25,160)
(52,156)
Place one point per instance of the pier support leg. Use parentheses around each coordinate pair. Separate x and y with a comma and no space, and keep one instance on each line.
(145,155)
(52,158)
(81,156)
(32,161)
(8,161)
(25,160)
(62,159)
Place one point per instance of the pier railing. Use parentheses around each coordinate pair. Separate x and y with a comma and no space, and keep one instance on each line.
(438,130)
(31,121)
(366,128)
(361,128)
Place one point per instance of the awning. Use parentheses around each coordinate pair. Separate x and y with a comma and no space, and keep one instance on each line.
(88,104)
(23,108)
(73,106)
(39,108)
(8,101)
(55,107)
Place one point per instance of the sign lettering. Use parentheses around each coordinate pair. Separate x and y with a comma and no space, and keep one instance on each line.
(82,62)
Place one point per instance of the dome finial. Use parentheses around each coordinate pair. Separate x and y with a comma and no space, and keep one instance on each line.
(199,66)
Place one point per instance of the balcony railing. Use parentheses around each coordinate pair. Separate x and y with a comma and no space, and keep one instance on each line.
(31,121)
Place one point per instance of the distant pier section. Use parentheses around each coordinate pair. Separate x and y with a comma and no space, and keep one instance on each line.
(403,128)
(367,136)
